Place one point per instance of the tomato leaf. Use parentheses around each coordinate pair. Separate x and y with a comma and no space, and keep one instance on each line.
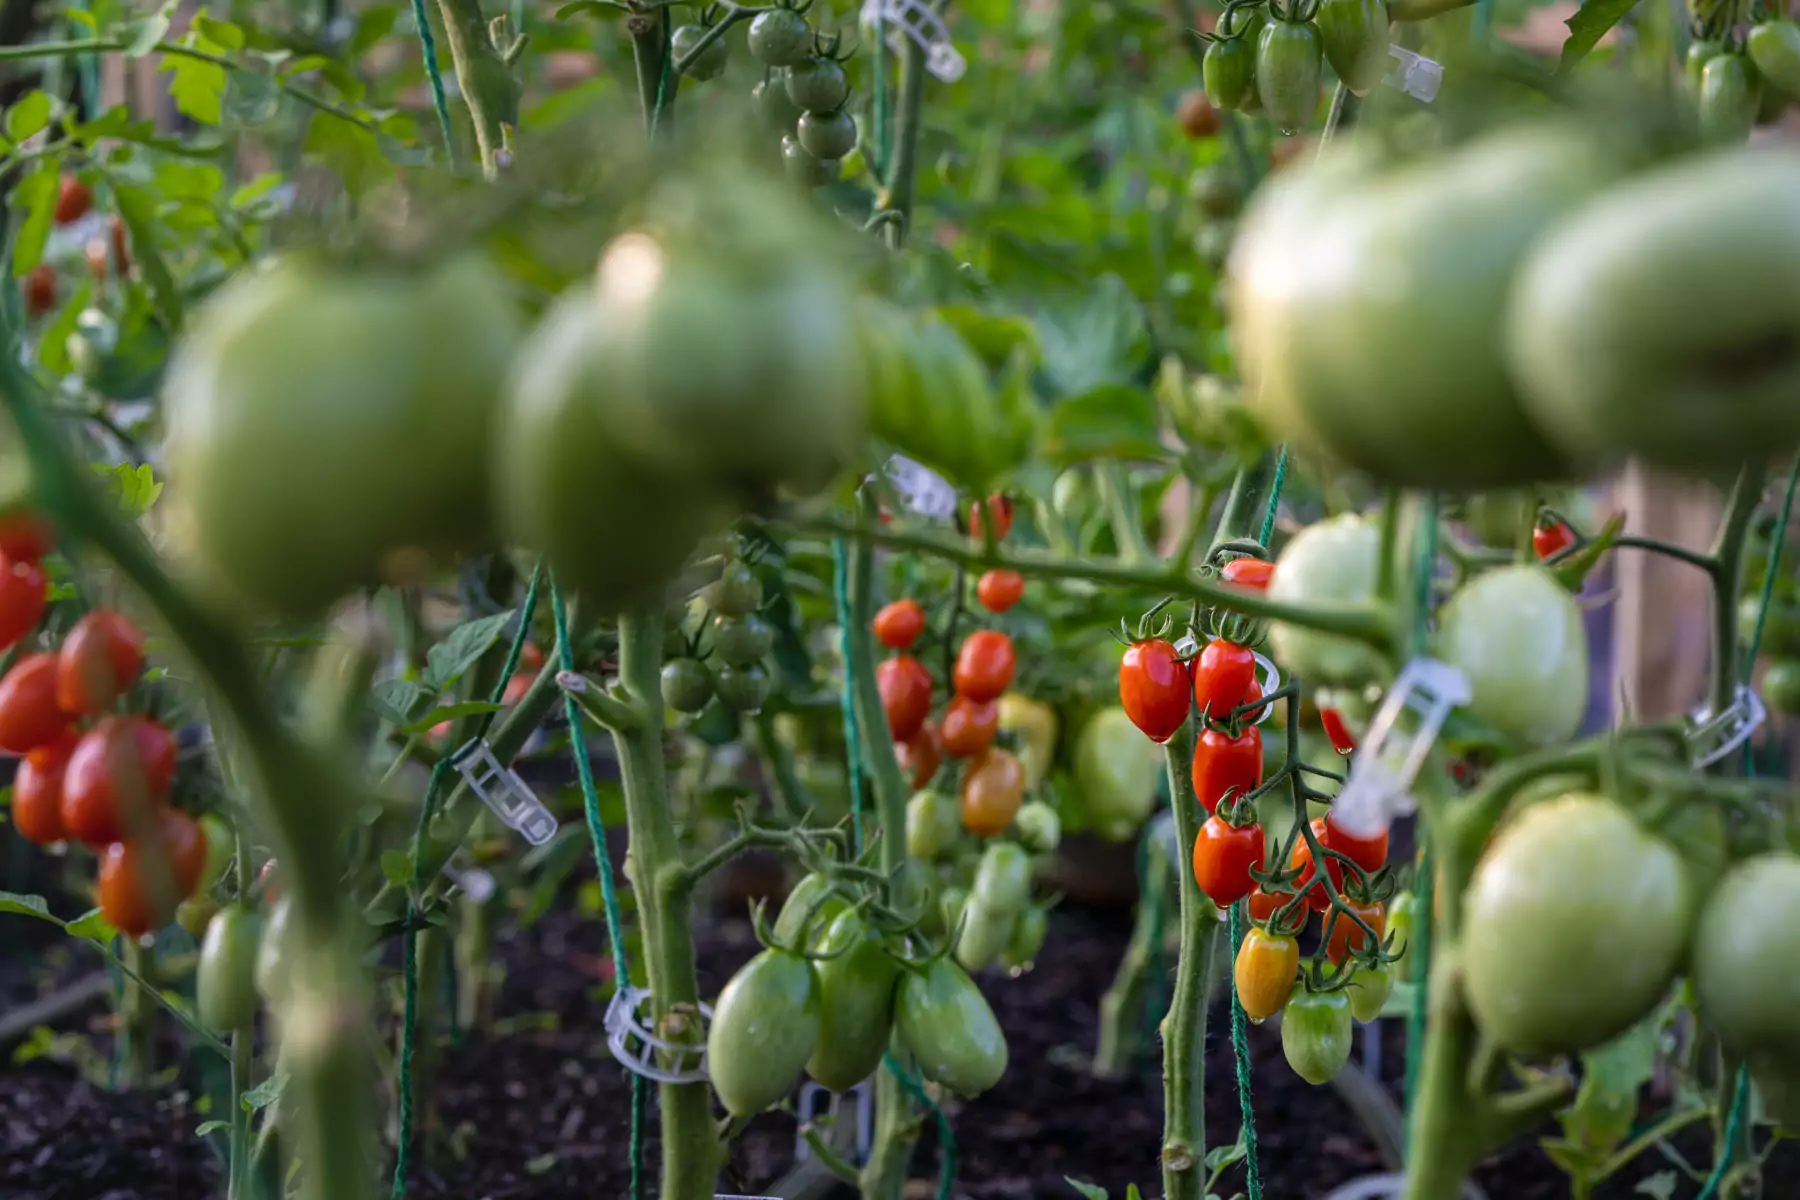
(30,906)
(1661,1185)
(451,712)
(53,346)
(28,116)
(1220,1157)
(1102,338)
(1587,27)
(198,86)
(210,1127)
(94,927)
(349,150)
(1110,421)
(265,1093)
(35,197)
(991,335)
(446,661)
(134,489)
(396,865)
(394,699)
(137,208)
(1091,1191)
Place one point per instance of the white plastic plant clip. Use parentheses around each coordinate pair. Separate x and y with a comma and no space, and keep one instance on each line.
(923,489)
(815,1100)
(1383,769)
(638,1048)
(1416,75)
(501,789)
(476,883)
(1269,682)
(1711,738)
(912,19)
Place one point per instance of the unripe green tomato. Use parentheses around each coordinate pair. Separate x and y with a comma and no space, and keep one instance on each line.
(710,62)
(1781,686)
(827,136)
(271,969)
(1316,1034)
(1039,828)
(985,933)
(1729,98)
(803,168)
(951,902)
(780,38)
(1030,930)
(1229,72)
(737,592)
(778,112)
(933,825)
(1003,878)
(1368,990)
(686,685)
(1774,48)
(195,913)
(1519,637)
(221,848)
(743,689)
(818,85)
(1698,55)
(225,980)
(742,641)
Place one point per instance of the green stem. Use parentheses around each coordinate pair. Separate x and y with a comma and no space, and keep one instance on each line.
(243,1065)
(1119,497)
(136,1023)
(1122,1007)
(476,974)
(1184,1029)
(484,78)
(647,44)
(896,194)
(791,793)
(1728,558)
(691,1153)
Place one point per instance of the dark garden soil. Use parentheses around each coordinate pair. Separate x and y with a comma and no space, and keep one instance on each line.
(538,1109)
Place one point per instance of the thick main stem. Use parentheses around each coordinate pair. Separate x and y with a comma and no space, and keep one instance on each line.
(136,1017)
(1184,1029)
(897,193)
(482,76)
(691,1153)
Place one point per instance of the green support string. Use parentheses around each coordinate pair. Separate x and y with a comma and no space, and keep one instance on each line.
(1422,886)
(410,939)
(428,49)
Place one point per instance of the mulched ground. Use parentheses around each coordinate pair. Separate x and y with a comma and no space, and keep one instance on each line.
(540,1110)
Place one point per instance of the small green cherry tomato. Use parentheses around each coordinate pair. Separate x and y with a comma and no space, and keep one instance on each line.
(686,685)
(743,689)
(818,85)
(780,38)
(742,641)
(710,62)
(827,136)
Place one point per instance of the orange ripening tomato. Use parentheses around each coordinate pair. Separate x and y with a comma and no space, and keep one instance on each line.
(25,536)
(899,623)
(73,201)
(984,665)
(921,755)
(23,598)
(905,687)
(29,716)
(1300,858)
(993,787)
(1248,573)
(38,791)
(969,726)
(120,767)
(99,660)
(999,590)
(1347,937)
(142,882)
(1001,509)
(1267,965)
(1368,853)
(1223,763)
(1153,688)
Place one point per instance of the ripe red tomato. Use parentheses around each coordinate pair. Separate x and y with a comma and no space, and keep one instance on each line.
(1368,853)
(969,726)
(99,660)
(1154,686)
(517,686)
(993,786)
(921,755)
(1248,573)
(531,658)
(1224,855)
(38,792)
(1002,509)
(142,882)
(73,201)
(1336,730)
(1223,676)
(29,717)
(899,623)
(999,590)
(40,291)
(905,694)
(1347,937)
(1551,539)
(1223,763)
(1300,858)
(1263,904)
(120,763)
(22,599)
(984,665)
(25,536)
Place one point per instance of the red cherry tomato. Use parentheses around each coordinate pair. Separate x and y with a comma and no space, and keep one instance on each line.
(25,536)
(921,755)
(905,687)
(517,686)
(999,590)
(38,791)
(1001,507)
(1248,573)
(969,726)
(74,201)
(40,291)
(1224,855)
(142,882)
(120,763)
(1263,904)
(531,658)
(898,624)
(1154,687)
(1347,937)
(1223,676)
(22,599)
(99,660)
(1223,763)
(1336,730)
(984,665)
(1368,853)
(1300,858)
(29,716)
(1552,538)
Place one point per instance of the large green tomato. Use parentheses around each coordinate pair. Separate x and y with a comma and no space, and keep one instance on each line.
(856,1003)
(808,912)
(614,528)
(947,1023)
(1116,768)
(1316,1035)
(329,430)
(1355,34)
(1334,562)
(1518,635)
(225,978)
(1663,321)
(765,1027)
(1368,303)
(1746,963)
(1572,891)
(1288,59)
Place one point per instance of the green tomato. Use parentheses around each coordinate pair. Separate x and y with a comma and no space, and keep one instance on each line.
(1694,66)
(1003,878)
(686,685)
(737,592)
(827,136)
(196,913)
(1116,771)
(856,1003)
(1040,829)
(1332,561)
(1729,98)
(950,1029)
(1774,47)
(1288,72)
(1660,323)
(1518,635)
(710,63)
(818,84)
(715,725)
(742,641)
(914,891)
(328,431)
(778,112)
(1523,953)
(1355,37)
(808,912)
(1316,1034)
(780,38)
(765,1027)
(271,954)
(221,850)
(614,529)
(225,979)
(1363,293)
(1229,72)
(803,167)
(1780,629)
(1746,961)
(1028,935)
(1368,990)
(743,690)
(933,825)
(951,902)
(1781,686)
(986,930)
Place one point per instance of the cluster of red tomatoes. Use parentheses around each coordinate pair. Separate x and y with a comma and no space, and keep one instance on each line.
(994,783)
(89,774)
(73,202)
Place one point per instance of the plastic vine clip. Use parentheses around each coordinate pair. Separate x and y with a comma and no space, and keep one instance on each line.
(638,1049)
(924,490)
(1379,787)
(476,883)
(1268,680)
(1416,75)
(501,789)
(913,19)
(1711,738)
(815,1101)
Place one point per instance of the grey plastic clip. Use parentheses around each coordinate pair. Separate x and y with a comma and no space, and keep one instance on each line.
(815,1099)
(501,789)
(636,1046)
